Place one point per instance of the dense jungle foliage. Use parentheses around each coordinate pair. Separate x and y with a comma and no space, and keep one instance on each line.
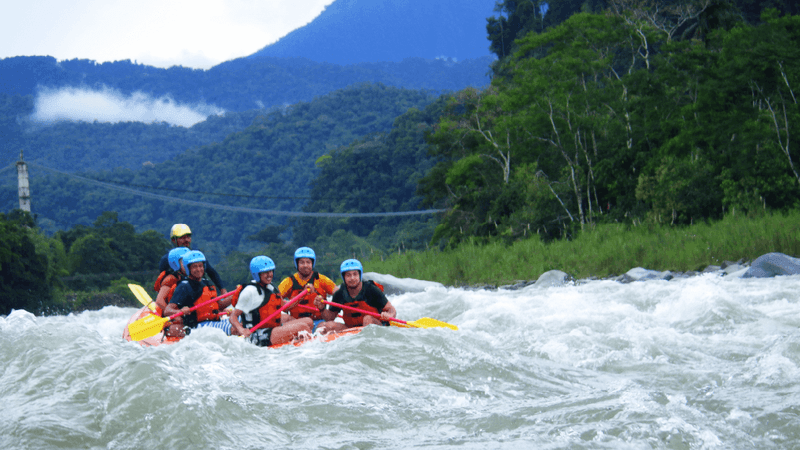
(54,274)
(619,117)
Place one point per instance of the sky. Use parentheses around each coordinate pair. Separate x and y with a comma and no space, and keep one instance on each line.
(161,33)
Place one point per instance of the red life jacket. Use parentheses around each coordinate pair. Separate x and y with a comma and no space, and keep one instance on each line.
(210,311)
(160,279)
(307,299)
(270,304)
(354,318)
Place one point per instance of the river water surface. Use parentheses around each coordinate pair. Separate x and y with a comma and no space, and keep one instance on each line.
(703,362)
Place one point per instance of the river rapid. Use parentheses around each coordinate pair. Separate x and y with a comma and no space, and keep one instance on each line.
(694,363)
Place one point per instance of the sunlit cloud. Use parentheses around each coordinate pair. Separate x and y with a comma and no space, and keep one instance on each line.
(108,105)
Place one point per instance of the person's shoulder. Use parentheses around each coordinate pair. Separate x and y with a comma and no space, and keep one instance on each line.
(324,279)
(170,280)
(372,287)
(286,283)
(248,288)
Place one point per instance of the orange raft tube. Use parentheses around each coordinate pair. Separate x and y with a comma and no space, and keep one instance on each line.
(160,338)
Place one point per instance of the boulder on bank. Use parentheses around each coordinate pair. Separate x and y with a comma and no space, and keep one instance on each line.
(773,264)
(642,274)
(393,285)
(552,278)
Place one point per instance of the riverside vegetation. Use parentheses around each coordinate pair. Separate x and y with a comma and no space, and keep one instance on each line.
(604,250)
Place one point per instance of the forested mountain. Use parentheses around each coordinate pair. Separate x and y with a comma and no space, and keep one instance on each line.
(241,84)
(269,166)
(389,30)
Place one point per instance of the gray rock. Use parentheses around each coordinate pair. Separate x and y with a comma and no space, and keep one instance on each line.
(709,269)
(773,264)
(642,274)
(553,278)
(517,286)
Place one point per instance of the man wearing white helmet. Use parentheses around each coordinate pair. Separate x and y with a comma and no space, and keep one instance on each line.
(181,236)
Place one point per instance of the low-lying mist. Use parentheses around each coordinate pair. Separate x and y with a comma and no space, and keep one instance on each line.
(109,105)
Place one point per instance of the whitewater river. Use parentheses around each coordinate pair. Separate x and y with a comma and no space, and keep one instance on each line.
(703,362)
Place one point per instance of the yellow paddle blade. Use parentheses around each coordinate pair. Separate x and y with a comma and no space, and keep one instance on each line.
(399,325)
(142,296)
(427,322)
(147,327)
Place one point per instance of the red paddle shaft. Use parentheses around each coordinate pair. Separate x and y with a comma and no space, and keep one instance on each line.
(180,313)
(363,311)
(288,305)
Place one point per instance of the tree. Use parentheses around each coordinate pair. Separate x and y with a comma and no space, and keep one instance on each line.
(24,271)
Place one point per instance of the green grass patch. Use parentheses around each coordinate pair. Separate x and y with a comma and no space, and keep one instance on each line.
(602,251)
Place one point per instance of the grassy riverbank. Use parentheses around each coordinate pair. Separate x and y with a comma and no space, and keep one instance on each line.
(603,251)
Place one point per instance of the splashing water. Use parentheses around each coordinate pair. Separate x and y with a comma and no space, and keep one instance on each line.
(703,362)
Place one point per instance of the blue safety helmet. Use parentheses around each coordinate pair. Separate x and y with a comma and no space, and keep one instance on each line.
(192,257)
(304,252)
(260,264)
(175,256)
(351,264)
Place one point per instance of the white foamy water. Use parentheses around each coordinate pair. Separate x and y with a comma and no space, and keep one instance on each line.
(705,362)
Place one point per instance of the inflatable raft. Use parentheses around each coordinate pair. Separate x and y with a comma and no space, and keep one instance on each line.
(160,338)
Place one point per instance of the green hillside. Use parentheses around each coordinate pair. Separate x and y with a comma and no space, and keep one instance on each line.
(267,166)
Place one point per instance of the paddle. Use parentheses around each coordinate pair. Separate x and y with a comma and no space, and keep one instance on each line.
(152,324)
(288,305)
(142,296)
(425,322)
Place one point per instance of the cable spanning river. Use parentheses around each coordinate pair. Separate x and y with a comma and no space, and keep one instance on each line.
(703,362)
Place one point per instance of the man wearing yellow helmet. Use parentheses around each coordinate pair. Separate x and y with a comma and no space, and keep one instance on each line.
(181,236)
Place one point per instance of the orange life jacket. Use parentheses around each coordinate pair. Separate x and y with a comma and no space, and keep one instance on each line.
(160,279)
(210,311)
(307,299)
(270,304)
(354,318)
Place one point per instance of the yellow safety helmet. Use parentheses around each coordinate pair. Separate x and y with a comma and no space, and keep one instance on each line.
(178,230)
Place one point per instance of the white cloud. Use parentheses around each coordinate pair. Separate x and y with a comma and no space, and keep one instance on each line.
(108,105)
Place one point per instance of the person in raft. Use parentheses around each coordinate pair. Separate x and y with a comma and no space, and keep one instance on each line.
(304,261)
(181,236)
(360,294)
(167,281)
(196,289)
(258,300)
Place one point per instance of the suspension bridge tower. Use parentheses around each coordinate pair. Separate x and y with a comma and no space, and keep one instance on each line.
(24,186)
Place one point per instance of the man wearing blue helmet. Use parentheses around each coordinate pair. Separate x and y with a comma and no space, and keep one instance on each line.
(168,280)
(196,290)
(304,260)
(360,294)
(181,236)
(259,300)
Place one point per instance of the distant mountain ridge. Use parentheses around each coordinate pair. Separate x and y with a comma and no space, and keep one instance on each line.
(241,84)
(389,30)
